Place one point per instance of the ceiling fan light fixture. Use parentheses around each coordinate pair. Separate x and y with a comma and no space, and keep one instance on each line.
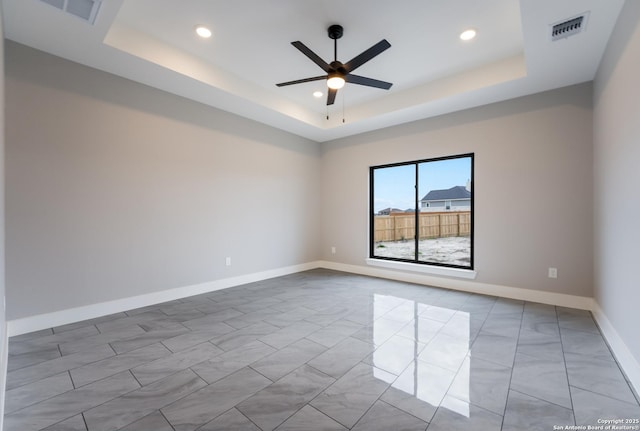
(203,32)
(468,34)
(335,82)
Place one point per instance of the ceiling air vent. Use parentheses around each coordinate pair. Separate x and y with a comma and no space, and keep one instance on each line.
(569,27)
(83,9)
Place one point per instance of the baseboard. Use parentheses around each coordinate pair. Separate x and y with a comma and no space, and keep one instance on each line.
(625,358)
(77,314)
(551,298)
(3,373)
(4,350)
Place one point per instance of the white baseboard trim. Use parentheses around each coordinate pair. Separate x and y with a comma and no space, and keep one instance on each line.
(625,358)
(4,350)
(551,298)
(3,373)
(77,314)
(426,269)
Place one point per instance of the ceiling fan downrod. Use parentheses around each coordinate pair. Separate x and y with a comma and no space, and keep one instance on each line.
(335,32)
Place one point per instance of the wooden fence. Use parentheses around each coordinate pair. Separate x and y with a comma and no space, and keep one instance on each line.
(431,225)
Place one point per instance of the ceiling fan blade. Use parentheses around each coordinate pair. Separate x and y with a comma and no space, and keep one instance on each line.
(331,96)
(300,81)
(367,55)
(369,82)
(312,56)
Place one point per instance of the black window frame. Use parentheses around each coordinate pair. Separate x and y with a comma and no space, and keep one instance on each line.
(417,211)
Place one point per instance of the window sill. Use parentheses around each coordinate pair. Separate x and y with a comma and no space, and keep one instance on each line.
(427,269)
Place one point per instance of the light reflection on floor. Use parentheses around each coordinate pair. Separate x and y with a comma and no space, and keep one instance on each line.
(421,368)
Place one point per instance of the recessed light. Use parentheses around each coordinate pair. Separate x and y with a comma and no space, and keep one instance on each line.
(468,34)
(203,32)
(317,94)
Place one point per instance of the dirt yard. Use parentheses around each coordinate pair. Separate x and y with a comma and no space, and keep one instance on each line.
(453,250)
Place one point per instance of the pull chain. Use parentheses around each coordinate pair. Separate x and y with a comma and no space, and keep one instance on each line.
(343,109)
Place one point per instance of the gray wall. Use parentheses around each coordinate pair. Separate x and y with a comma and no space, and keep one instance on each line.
(533,186)
(617,178)
(3,323)
(115,189)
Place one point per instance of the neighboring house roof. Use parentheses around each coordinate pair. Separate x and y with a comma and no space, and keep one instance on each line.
(390,210)
(455,192)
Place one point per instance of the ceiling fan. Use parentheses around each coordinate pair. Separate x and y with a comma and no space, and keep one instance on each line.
(338,73)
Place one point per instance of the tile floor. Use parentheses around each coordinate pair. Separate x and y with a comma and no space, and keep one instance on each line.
(319,350)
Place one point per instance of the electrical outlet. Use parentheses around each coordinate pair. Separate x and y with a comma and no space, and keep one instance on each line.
(228,261)
(333,250)
(553,272)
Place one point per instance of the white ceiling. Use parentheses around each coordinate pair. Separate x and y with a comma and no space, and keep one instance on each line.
(433,72)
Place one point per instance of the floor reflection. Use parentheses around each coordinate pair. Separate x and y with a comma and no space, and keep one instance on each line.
(423,355)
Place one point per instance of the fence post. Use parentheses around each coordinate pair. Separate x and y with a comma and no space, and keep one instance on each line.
(394,226)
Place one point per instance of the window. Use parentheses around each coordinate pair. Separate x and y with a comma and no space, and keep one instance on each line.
(422,212)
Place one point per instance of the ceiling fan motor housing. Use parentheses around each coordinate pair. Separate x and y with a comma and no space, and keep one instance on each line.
(338,67)
(335,31)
